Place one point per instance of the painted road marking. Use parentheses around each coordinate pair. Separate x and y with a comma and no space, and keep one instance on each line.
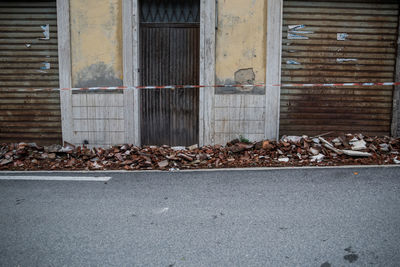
(58,178)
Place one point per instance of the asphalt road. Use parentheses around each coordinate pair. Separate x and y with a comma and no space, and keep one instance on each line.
(308,217)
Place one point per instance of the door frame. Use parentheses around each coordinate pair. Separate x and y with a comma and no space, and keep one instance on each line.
(64,68)
(273,68)
(395,126)
(130,35)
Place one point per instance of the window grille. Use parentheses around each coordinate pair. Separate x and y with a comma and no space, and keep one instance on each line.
(172,11)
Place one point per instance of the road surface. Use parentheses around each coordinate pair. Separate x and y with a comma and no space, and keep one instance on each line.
(287,217)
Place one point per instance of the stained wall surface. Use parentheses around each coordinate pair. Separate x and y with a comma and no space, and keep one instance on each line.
(96,42)
(240,40)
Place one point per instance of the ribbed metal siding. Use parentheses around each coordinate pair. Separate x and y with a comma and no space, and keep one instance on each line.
(169,55)
(369,52)
(28,116)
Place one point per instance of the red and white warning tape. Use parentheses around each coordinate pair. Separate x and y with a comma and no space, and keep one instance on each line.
(217,85)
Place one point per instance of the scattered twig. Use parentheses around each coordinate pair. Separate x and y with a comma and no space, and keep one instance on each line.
(321,135)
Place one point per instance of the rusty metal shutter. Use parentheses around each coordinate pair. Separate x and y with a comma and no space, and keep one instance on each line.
(28,59)
(336,42)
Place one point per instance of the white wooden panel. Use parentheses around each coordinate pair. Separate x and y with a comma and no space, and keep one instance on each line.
(104,100)
(223,138)
(253,101)
(239,101)
(98,138)
(99,125)
(66,115)
(79,137)
(227,100)
(239,114)
(81,125)
(116,138)
(92,125)
(255,137)
(105,112)
(98,113)
(79,112)
(116,125)
(239,127)
(79,100)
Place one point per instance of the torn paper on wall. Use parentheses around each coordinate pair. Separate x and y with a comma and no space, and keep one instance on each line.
(295,27)
(294,33)
(341,60)
(292,36)
(46,66)
(341,36)
(46,32)
(292,62)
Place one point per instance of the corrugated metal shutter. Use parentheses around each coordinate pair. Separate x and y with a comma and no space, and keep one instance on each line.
(29,60)
(338,41)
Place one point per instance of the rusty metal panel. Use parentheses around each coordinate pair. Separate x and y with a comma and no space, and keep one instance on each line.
(169,55)
(334,42)
(29,59)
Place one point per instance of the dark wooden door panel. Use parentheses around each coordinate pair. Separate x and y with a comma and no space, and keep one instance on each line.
(169,56)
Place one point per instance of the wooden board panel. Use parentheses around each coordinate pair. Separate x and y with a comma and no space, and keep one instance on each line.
(170,55)
(335,42)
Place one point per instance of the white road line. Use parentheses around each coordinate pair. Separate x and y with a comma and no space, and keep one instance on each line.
(58,178)
(208,170)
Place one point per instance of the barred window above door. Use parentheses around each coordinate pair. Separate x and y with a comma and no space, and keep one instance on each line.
(171,11)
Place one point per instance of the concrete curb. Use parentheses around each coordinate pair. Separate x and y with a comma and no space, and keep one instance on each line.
(209,170)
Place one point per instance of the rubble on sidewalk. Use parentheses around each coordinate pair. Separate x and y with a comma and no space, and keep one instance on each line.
(350,149)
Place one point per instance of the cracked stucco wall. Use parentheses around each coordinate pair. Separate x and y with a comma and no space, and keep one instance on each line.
(240,40)
(96,42)
(240,58)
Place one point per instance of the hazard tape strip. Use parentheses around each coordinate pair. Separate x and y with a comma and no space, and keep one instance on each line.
(211,86)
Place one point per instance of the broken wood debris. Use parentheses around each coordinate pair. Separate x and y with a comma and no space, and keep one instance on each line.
(346,149)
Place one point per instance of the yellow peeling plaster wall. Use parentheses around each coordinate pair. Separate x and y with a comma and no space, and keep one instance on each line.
(241,38)
(240,58)
(96,42)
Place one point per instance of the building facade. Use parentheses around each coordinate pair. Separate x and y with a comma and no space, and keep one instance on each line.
(87,43)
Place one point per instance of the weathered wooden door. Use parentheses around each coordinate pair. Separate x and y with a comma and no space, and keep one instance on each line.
(169,55)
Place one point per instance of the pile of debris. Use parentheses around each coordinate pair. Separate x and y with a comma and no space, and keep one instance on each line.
(349,149)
